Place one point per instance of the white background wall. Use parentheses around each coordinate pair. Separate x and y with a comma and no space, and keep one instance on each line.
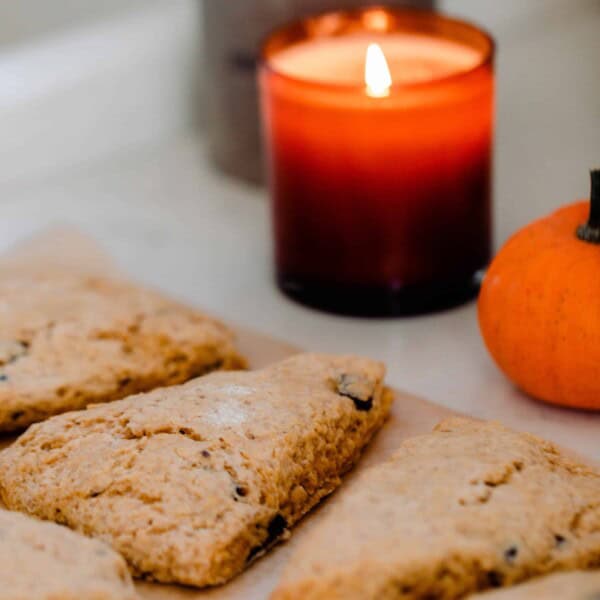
(84,79)
(22,21)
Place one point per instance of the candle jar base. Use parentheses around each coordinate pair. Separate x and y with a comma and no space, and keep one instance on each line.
(367,301)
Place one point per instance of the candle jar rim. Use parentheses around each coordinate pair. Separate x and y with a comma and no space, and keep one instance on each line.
(307,28)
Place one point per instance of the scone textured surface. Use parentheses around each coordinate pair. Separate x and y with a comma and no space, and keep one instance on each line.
(191,483)
(68,340)
(577,585)
(469,507)
(43,561)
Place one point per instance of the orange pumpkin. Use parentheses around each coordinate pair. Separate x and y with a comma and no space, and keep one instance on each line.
(539,307)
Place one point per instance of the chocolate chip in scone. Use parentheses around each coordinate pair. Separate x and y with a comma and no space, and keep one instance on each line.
(254,552)
(206,453)
(495,579)
(3,377)
(358,389)
(560,540)
(275,530)
(510,554)
(124,382)
(11,350)
(241,490)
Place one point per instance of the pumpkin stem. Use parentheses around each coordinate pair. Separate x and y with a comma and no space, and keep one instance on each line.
(590,232)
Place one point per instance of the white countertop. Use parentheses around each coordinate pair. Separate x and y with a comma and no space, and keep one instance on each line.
(172,222)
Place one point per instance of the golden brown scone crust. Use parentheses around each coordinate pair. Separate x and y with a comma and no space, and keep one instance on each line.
(471,506)
(191,483)
(576,585)
(43,561)
(68,340)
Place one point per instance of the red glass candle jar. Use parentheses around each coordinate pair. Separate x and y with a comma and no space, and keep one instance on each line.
(380,175)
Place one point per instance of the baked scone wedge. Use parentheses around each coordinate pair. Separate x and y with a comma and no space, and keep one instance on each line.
(191,483)
(44,561)
(576,585)
(471,506)
(68,340)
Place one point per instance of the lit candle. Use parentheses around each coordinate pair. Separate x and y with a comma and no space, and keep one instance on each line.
(378,126)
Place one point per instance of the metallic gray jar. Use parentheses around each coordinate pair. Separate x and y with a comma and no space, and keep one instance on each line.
(233,31)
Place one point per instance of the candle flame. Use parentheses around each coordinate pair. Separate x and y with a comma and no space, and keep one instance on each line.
(377,73)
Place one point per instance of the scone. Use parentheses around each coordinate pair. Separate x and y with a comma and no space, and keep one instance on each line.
(578,585)
(43,561)
(469,507)
(69,340)
(191,483)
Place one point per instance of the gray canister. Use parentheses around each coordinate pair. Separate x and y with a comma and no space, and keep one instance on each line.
(233,32)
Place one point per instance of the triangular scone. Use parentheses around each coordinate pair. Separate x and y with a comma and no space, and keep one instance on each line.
(469,507)
(43,561)
(68,340)
(191,483)
(577,585)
